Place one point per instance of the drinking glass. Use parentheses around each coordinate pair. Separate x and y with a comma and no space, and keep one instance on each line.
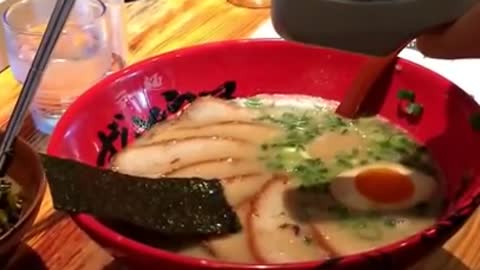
(117,32)
(81,57)
(252,3)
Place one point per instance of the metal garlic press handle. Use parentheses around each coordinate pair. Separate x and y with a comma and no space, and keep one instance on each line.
(375,27)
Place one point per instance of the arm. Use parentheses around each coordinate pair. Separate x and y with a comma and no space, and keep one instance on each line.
(459,40)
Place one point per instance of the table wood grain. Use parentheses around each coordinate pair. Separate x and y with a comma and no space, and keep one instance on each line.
(156,26)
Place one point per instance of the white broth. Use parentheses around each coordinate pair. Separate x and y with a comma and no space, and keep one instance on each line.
(306,184)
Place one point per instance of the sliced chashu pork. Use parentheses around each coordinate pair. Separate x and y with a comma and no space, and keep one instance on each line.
(209,110)
(159,159)
(168,146)
(274,235)
(197,251)
(243,188)
(226,168)
(241,179)
(203,112)
(252,132)
(235,247)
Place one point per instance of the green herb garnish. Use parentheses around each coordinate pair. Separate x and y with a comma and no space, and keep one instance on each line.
(275,164)
(404,94)
(393,145)
(362,225)
(311,172)
(399,143)
(364,162)
(390,222)
(411,107)
(383,143)
(348,159)
(287,153)
(334,122)
(367,230)
(253,103)
(344,162)
(414,109)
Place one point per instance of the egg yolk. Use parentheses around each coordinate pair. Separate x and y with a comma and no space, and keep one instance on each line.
(384,185)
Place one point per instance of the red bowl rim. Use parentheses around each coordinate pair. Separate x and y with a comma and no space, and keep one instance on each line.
(127,245)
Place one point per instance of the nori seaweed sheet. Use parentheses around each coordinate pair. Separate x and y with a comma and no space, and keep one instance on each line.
(170,206)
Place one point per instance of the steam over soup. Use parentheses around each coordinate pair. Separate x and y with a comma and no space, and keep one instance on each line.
(306,184)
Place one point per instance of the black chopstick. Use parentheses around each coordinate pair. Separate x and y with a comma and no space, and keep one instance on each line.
(54,28)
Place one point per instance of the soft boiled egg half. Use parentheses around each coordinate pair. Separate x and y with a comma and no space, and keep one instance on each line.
(382,186)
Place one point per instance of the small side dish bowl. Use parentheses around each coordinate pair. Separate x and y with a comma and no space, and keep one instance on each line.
(110,115)
(26,170)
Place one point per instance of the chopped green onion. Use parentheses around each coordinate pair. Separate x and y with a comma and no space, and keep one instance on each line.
(414,109)
(367,230)
(275,164)
(390,222)
(364,162)
(404,94)
(253,103)
(311,172)
(344,159)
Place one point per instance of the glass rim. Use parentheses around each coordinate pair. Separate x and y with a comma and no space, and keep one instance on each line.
(24,29)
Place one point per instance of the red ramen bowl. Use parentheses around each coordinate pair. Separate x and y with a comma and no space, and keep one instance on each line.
(113,112)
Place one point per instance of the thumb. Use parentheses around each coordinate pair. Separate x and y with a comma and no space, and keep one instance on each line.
(459,40)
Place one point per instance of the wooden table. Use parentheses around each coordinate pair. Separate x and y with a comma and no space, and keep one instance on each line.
(156,26)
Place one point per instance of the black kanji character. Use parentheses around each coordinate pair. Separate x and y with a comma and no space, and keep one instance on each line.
(108,149)
(155,115)
(225,91)
(170,95)
(175,105)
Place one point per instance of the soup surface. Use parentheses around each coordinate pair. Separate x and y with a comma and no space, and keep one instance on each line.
(306,183)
